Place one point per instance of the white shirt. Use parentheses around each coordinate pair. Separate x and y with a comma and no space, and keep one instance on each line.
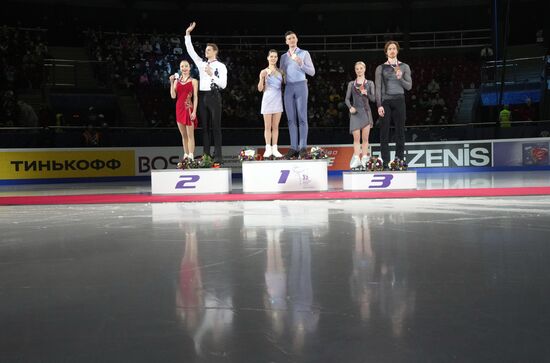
(219,75)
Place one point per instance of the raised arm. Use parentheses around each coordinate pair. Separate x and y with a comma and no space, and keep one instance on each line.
(189,45)
(173,84)
(261,83)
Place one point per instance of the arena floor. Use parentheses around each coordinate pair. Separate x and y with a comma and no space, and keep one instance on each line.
(334,280)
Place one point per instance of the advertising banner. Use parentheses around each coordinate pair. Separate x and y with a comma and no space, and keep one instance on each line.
(24,164)
(63,163)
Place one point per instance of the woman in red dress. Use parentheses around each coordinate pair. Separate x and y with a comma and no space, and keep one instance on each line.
(184,90)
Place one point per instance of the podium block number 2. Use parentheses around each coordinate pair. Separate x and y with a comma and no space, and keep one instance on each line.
(187,179)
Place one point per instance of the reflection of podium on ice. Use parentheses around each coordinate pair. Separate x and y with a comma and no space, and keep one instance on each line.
(283,215)
(306,214)
(207,216)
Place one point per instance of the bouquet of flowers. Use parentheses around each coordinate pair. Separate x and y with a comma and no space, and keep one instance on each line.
(316,153)
(248,154)
(397,165)
(187,163)
(204,161)
(375,164)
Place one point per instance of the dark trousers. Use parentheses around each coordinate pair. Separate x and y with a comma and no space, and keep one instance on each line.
(210,116)
(394,110)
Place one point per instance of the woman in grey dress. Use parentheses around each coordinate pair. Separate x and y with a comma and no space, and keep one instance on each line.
(359,92)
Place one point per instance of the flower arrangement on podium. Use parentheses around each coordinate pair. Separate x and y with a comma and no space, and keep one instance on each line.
(375,163)
(317,152)
(397,165)
(249,154)
(203,162)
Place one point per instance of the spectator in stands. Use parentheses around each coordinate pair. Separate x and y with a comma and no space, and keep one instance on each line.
(539,36)
(177,50)
(414,101)
(27,116)
(295,64)
(144,79)
(270,83)
(392,79)
(359,92)
(213,79)
(332,113)
(425,101)
(146,48)
(185,90)
(175,41)
(505,117)
(433,86)
(439,102)
(91,137)
(9,110)
(429,117)
(527,111)
(486,53)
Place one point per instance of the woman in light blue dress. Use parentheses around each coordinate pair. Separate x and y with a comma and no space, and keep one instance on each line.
(271,81)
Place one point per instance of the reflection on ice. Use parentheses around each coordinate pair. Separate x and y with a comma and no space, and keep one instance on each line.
(207,314)
(378,281)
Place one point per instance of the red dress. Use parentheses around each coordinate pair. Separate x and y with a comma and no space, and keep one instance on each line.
(184,104)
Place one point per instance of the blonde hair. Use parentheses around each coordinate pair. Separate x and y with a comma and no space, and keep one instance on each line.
(360,63)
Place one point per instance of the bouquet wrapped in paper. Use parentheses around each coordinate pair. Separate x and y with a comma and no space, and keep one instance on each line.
(249,154)
(397,165)
(375,163)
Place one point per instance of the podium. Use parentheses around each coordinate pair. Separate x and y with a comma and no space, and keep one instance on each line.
(191,181)
(379,180)
(275,176)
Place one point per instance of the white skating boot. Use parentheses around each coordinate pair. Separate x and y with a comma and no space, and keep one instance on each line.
(276,152)
(355,162)
(267,152)
(364,161)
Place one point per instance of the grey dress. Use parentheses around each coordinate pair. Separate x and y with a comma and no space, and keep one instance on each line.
(363,116)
